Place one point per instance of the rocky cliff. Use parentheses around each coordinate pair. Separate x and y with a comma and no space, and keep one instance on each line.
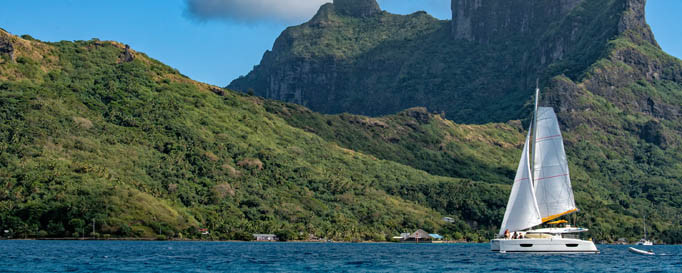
(6,47)
(345,60)
(357,8)
(332,62)
(484,21)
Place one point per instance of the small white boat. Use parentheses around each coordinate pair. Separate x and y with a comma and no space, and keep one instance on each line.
(644,242)
(642,252)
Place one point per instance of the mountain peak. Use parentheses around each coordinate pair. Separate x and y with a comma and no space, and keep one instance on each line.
(6,46)
(486,21)
(633,17)
(357,8)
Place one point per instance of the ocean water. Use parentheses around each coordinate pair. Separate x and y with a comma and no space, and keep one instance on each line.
(125,256)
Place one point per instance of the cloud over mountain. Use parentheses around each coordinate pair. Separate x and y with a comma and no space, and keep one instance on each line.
(252,11)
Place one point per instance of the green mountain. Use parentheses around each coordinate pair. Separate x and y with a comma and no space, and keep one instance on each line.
(93,130)
(617,94)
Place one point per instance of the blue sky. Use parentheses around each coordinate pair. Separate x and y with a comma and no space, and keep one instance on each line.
(212,47)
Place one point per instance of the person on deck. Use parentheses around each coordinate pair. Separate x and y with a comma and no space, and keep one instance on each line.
(506,234)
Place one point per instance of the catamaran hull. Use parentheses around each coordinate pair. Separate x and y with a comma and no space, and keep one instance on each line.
(553,245)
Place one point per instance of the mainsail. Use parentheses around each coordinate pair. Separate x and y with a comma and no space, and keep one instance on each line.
(522,209)
(545,193)
(551,177)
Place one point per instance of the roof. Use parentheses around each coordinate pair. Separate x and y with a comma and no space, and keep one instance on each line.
(435,236)
(264,235)
(421,234)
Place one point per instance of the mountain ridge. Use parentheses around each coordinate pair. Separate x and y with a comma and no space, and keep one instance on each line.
(458,74)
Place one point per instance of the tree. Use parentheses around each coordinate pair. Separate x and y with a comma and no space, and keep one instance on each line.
(286,235)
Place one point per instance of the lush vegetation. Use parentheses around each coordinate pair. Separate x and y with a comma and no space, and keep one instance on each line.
(94,132)
(420,139)
(617,179)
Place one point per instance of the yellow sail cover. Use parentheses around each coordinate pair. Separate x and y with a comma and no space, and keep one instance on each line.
(552,217)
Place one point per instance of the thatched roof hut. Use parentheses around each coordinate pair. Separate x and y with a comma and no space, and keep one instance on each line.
(419,235)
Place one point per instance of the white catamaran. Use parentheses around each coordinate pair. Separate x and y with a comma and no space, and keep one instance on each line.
(541,195)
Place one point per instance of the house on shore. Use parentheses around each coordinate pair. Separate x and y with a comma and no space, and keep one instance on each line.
(265,237)
(419,236)
(403,236)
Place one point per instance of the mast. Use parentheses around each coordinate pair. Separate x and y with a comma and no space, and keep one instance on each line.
(644,227)
(535,131)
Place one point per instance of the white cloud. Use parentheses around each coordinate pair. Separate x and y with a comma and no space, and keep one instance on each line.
(253,11)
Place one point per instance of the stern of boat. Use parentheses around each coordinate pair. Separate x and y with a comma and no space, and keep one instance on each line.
(495,244)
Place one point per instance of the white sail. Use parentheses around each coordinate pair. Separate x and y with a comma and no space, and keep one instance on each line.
(552,181)
(522,209)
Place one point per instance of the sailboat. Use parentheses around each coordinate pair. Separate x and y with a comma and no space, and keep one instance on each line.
(541,193)
(644,241)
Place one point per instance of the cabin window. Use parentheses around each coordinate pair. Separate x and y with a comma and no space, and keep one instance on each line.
(572,245)
(526,245)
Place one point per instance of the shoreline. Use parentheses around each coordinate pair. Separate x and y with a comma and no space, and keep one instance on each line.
(226,241)
(235,241)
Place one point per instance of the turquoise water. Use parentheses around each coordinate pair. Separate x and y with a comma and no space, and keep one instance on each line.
(123,256)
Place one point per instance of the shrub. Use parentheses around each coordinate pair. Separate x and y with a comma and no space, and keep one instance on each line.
(241,236)
(251,163)
(231,170)
(82,122)
(222,190)
(28,37)
(286,235)
(42,234)
(378,238)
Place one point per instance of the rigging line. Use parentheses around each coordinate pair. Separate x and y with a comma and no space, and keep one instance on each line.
(547,137)
(547,166)
(550,177)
